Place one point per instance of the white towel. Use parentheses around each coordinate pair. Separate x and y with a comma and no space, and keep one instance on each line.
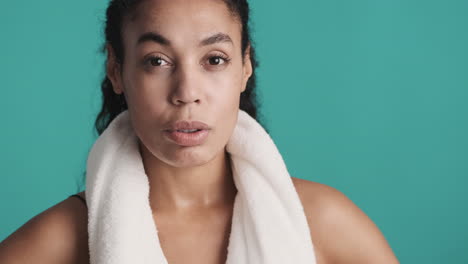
(269,225)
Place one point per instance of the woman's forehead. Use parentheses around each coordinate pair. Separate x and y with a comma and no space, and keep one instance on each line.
(180,21)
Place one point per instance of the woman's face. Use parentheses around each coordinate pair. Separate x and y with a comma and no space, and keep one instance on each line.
(182,62)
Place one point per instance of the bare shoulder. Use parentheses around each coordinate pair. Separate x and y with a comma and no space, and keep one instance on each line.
(339,229)
(56,235)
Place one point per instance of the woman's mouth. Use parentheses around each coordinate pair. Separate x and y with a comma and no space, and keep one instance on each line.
(187,137)
(188,130)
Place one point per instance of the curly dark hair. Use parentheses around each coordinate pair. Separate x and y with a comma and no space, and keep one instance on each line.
(113,104)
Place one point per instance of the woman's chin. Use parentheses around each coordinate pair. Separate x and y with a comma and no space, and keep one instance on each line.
(183,157)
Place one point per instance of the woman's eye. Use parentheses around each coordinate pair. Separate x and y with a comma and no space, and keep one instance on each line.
(157,61)
(218,60)
(215,60)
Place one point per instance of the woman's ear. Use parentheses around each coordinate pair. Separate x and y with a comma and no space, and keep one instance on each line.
(113,70)
(247,68)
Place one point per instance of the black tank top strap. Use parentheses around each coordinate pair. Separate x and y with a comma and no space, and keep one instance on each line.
(79,197)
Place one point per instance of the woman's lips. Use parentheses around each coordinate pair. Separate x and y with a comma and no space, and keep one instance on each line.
(186,138)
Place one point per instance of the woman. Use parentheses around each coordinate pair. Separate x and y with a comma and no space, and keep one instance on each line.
(170,61)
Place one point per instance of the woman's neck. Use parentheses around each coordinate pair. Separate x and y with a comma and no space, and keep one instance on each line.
(210,185)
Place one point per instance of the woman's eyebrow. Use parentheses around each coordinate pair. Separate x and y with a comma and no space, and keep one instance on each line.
(158,38)
(216,38)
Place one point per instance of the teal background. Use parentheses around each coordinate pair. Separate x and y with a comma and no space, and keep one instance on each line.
(369,97)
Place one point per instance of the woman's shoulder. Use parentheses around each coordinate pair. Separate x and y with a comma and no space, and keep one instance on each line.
(56,235)
(339,229)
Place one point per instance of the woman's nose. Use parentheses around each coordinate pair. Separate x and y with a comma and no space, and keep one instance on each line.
(186,87)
